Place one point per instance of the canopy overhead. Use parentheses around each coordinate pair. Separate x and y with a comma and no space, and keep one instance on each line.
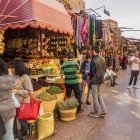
(45,14)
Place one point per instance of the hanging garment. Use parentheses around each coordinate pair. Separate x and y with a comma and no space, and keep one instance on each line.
(83,31)
(99,32)
(92,34)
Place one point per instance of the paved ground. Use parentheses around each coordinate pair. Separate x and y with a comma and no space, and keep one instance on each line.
(122,122)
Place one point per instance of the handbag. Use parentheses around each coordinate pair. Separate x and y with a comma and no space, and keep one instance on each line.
(28,111)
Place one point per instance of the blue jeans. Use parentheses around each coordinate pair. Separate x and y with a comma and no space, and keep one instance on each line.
(9,130)
(98,102)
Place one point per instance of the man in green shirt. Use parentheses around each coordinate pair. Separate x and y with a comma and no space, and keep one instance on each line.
(70,70)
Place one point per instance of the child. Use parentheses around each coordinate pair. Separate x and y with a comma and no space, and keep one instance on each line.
(85,69)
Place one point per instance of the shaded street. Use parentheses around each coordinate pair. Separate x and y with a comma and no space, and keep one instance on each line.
(122,122)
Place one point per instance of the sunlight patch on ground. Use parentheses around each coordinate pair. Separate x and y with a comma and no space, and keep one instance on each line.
(136,114)
(115,91)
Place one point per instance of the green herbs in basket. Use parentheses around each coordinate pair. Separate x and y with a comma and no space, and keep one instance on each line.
(54,90)
(68,104)
(46,97)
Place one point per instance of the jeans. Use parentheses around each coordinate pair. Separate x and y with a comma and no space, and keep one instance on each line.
(98,102)
(134,75)
(77,93)
(24,128)
(112,79)
(9,130)
(84,83)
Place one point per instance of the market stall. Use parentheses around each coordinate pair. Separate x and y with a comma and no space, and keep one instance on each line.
(38,35)
(37,31)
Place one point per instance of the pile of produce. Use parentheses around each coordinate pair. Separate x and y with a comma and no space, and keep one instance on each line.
(46,97)
(36,85)
(2,45)
(43,83)
(54,90)
(68,104)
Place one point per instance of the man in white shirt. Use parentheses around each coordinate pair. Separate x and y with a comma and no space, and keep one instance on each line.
(135,67)
(110,74)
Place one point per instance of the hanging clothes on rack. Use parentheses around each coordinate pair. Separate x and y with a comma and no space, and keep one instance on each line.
(99,32)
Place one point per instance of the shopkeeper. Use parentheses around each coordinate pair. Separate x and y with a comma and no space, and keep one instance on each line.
(70,70)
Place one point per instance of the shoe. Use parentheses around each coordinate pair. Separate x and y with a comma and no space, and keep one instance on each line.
(16,137)
(23,138)
(80,111)
(88,103)
(135,87)
(129,87)
(115,84)
(112,85)
(93,115)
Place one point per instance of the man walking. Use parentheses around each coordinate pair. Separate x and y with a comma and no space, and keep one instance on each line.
(70,70)
(135,62)
(97,72)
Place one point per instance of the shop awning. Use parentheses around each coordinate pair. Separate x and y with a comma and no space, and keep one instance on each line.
(45,14)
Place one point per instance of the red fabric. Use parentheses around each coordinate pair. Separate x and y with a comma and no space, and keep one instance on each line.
(28,111)
(35,14)
(83,32)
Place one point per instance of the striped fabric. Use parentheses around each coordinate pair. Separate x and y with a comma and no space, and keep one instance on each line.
(35,13)
(70,69)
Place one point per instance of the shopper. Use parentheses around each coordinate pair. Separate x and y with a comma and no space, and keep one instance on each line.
(24,88)
(7,106)
(85,69)
(70,71)
(135,62)
(97,72)
(111,75)
(124,62)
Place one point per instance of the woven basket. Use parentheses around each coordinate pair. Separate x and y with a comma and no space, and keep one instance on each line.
(49,106)
(44,89)
(60,97)
(68,115)
(36,93)
(45,126)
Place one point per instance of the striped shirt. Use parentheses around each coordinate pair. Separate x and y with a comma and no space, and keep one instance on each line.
(70,69)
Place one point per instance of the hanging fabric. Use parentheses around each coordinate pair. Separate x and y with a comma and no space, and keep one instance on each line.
(83,31)
(99,32)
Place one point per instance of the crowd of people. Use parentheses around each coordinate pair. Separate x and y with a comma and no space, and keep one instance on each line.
(15,85)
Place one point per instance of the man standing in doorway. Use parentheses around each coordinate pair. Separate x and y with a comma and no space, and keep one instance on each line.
(97,72)
(135,62)
(70,69)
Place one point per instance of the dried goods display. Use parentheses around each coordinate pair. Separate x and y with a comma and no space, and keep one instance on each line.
(46,97)
(2,45)
(54,90)
(68,104)
(36,85)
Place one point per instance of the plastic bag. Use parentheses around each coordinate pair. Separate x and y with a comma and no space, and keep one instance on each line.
(17,104)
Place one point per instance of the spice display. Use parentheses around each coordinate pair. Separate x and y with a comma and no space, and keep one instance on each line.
(46,97)
(36,85)
(42,83)
(54,90)
(68,104)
